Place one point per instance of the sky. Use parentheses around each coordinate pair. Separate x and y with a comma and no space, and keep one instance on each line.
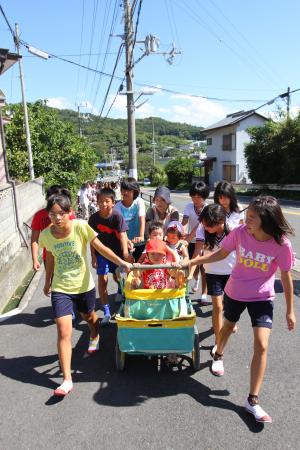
(233,56)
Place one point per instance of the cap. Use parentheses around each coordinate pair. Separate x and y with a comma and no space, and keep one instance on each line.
(164,193)
(156,246)
(175,225)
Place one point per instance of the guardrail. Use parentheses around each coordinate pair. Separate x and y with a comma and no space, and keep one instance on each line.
(147,197)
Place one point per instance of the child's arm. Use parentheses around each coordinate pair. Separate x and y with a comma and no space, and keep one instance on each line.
(94,257)
(49,273)
(124,244)
(35,249)
(197,252)
(184,253)
(141,235)
(212,257)
(108,253)
(288,289)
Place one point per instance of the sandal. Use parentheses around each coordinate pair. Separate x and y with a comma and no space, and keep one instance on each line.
(64,389)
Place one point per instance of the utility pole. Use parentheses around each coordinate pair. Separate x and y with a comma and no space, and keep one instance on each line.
(288,100)
(153,143)
(26,122)
(128,36)
(79,121)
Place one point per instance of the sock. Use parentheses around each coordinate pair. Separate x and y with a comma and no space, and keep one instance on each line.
(252,400)
(106,309)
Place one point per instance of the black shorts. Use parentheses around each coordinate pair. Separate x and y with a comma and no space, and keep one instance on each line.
(191,249)
(216,283)
(261,312)
(62,303)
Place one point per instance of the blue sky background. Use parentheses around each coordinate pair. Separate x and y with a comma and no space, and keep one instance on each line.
(231,50)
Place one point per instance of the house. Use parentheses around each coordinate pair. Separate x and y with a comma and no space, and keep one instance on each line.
(226,141)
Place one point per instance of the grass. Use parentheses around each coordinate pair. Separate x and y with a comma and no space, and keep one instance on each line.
(17,296)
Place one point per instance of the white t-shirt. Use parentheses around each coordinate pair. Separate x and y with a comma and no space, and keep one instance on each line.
(233,219)
(83,197)
(193,217)
(223,267)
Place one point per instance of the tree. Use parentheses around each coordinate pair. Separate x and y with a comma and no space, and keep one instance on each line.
(59,155)
(273,154)
(179,171)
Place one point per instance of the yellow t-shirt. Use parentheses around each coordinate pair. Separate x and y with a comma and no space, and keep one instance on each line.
(71,270)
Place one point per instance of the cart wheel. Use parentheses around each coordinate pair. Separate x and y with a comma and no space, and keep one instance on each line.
(120,359)
(196,352)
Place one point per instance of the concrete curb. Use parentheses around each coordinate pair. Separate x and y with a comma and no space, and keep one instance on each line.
(26,297)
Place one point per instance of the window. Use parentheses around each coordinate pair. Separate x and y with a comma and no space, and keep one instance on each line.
(228,141)
(229,172)
(209,141)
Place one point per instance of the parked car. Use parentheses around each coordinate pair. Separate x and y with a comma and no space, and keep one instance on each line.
(146,182)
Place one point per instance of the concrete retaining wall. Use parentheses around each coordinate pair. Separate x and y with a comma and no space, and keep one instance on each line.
(15,256)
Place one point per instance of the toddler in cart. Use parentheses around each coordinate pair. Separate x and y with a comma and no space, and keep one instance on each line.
(156,251)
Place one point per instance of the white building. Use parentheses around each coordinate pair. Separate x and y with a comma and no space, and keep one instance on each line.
(226,141)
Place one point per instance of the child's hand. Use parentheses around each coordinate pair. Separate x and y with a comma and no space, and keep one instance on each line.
(136,265)
(47,289)
(184,264)
(138,239)
(127,266)
(291,321)
(176,265)
(94,262)
(36,265)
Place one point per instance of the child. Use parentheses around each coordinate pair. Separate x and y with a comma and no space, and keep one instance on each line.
(69,278)
(211,232)
(161,211)
(132,208)
(156,251)
(199,192)
(261,247)
(225,196)
(41,221)
(156,231)
(111,228)
(174,240)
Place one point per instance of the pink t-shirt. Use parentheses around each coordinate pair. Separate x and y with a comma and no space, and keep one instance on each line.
(253,275)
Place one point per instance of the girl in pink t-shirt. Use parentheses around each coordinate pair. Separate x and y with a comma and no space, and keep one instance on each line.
(261,247)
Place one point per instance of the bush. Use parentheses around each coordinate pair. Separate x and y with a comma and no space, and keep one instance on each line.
(179,172)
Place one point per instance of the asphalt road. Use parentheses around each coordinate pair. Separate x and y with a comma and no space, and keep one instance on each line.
(149,405)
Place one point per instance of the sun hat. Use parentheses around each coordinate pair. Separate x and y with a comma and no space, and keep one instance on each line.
(163,192)
(175,225)
(156,246)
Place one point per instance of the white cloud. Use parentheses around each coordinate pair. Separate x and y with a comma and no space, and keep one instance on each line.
(59,103)
(196,111)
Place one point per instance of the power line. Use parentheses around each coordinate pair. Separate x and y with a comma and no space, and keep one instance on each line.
(7,22)
(170,91)
(112,77)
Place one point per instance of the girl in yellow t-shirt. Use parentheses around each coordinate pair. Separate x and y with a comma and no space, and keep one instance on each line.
(69,280)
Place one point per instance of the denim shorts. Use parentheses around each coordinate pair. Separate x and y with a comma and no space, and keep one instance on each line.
(62,303)
(216,283)
(261,312)
(104,266)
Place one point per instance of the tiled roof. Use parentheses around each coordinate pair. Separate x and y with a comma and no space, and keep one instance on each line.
(232,119)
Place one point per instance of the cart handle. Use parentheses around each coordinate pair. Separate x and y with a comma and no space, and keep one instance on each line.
(120,269)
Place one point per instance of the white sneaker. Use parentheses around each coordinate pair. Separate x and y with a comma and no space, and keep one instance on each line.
(217,367)
(203,300)
(259,414)
(196,284)
(118,297)
(93,345)
(105,321)
(213,350)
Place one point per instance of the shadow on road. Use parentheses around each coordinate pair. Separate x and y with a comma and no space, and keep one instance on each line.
(142,379)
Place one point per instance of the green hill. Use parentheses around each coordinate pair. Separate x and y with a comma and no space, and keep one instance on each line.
(104,134)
